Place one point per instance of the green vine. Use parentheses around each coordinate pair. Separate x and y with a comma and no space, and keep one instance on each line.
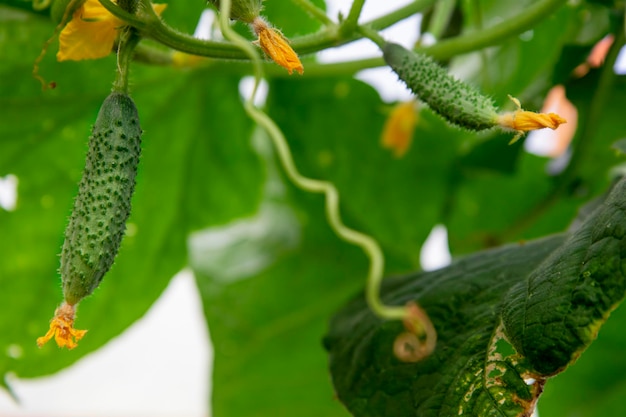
(332,35)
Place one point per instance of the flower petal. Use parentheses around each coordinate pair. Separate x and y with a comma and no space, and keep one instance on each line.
(399,128)
(523,121)
(276,46)
(61,328)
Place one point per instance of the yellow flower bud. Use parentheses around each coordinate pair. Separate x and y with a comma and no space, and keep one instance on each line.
(399,128)
(523,121)
(276,46)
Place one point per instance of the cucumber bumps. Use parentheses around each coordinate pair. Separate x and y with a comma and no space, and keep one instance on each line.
(98,221)
(457,102)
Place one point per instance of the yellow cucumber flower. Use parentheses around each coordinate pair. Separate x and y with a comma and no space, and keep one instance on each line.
(276,46)
(62,328)
(91,33)
(523,121)
(399,128)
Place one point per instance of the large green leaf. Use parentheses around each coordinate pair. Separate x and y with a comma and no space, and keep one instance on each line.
(507,319)
(187,180)
(269,284)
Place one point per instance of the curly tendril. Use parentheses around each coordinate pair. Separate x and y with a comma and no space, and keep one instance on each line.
(419,324)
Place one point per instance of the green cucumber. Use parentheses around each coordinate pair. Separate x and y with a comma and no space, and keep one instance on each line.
(102,206)
(457,102)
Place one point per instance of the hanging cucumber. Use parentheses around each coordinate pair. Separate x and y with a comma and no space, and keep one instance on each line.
(98,221)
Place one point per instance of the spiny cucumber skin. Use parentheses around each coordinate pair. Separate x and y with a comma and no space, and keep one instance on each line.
(102,206)
(457,102)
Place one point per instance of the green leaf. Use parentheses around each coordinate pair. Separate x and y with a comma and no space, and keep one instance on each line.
(268,284)
(620,146)
(507,319)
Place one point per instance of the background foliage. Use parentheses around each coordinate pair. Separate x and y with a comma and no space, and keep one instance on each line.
(206,168)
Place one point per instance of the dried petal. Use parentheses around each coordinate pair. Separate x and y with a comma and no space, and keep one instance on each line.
(276,46)
(399,128)
(523,121)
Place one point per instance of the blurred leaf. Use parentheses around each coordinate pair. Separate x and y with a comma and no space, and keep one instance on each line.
(620,146)
(268,289)
(504,318)
(187,180)
(596,157)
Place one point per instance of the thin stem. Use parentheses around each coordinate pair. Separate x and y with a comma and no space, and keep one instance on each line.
(314,11)
(442,51)
(240,42)
(440,19)
(128,41)
(151,26)
(372,35)
(129,38)
(349,25)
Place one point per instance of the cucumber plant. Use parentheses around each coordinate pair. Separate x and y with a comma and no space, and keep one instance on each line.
(481,337)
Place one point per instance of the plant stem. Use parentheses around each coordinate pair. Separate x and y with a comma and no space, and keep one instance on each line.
(129,38)
(440,19)
(372,35)
(349,25)
(128,41)
(153,27)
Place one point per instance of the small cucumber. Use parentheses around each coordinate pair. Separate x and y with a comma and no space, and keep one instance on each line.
(98,220)
(454,100)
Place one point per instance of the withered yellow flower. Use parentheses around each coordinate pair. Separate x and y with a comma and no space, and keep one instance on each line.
(91,33)
(399,128)
(276,46)
(523,121)
(62,328)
